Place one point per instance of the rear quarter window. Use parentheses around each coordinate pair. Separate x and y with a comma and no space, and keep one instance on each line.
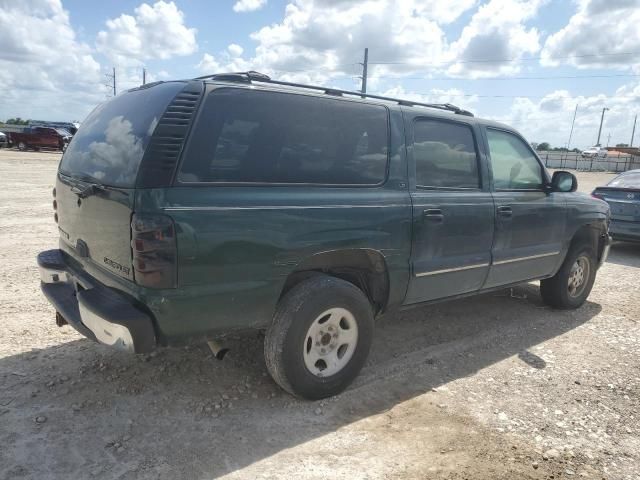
(110,143)
(626,180)
(247,136)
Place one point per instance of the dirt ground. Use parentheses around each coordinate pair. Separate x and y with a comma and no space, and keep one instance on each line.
(492,387)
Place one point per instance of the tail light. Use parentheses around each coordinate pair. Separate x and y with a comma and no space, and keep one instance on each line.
(153,242)
(55,206)
(597,195)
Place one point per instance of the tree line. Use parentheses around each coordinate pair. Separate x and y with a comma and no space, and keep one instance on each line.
(16,121)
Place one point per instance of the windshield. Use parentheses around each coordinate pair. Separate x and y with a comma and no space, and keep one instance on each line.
(626,180)
(110,144)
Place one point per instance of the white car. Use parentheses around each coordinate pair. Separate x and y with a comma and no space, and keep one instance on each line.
(4,141)
(595,151)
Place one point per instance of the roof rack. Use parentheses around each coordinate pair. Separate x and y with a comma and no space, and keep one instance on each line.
(251,76)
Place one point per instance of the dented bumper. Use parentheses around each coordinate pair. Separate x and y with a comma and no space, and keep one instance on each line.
(99,313)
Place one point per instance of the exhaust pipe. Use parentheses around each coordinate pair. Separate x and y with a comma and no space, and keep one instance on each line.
(218,350)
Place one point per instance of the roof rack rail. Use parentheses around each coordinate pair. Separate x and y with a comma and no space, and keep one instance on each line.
(251,76)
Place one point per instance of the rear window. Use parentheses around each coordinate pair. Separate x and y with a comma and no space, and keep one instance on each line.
(627,180)
(270,137)
(110,144)
(445,155)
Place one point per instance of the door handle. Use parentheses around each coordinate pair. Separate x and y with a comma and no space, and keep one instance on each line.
(505,211)
(433,215)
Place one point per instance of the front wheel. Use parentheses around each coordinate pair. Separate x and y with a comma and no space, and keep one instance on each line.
(22,146)
(320,337)
(570,287)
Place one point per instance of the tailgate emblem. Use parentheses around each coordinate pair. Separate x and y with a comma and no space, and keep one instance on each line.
(82,248)
(630,195)
(116,266)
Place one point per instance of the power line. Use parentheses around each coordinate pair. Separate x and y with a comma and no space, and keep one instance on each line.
(514,96)
(455,62)
(514,59)
(555,77)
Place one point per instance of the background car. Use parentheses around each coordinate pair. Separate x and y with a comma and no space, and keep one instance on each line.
(4,141)
(595,151)
(41,137)
(623,196)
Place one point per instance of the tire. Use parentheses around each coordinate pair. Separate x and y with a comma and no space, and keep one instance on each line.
(300,332)
(558,292)
(22,146)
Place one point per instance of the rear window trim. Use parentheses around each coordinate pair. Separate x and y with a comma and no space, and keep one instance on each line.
(178,183)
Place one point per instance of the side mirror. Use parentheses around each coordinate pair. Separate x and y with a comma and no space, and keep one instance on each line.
(562,181)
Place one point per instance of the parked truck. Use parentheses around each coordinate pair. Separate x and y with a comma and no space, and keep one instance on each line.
(40,137)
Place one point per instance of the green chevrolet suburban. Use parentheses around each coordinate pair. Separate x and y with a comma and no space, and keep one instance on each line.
(234,202)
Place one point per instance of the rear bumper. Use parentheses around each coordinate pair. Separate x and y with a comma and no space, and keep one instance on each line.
(97,312)
(626,231)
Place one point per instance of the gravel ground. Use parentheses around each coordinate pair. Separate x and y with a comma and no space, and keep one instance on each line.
(492,387)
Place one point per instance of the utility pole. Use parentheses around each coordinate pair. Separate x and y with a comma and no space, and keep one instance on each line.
(112,81)
(144,76)
(364,70)
(608,139)
(601,121)
(575,112)
(633,132)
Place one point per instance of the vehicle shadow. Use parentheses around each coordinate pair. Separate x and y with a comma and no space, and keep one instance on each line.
(83,409)
(625,253)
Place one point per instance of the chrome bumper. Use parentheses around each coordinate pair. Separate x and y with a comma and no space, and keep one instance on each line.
(97,312)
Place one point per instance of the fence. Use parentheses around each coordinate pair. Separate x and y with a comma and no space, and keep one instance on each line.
(575,161)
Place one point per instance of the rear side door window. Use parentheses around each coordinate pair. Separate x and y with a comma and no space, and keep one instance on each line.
(445,155)
(271,137)
(514,165)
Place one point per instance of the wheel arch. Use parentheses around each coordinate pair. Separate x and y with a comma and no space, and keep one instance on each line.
(593,234)
(365,268)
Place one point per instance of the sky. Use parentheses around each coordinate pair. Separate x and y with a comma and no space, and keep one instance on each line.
(527,63)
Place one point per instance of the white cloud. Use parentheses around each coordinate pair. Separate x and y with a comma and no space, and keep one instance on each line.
(453,96)
(209,64)
(43,67)
(235,50)
(596,35)
(242,6)
(496,32)
(156,31)
(319,40)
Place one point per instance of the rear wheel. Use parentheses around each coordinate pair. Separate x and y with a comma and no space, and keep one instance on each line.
(320,337)
(22,146)
(570,287)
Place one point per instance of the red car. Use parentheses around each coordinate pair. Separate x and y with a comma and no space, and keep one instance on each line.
(40,137)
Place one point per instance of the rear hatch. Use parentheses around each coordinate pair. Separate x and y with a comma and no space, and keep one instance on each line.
(95,188)
(624,202)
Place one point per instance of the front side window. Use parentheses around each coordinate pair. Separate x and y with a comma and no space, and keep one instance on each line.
(270,137)
(514,165)
(445,155)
